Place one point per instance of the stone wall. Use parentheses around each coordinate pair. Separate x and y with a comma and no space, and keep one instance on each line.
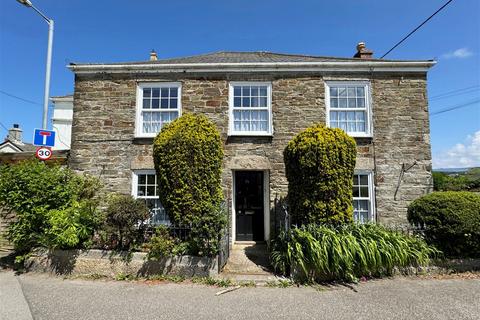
(103,140)
(5,218)
(111,264)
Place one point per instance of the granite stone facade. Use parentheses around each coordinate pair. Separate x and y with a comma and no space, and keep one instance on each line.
(103,141)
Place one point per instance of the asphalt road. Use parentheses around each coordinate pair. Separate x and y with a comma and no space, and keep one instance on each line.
(402,298)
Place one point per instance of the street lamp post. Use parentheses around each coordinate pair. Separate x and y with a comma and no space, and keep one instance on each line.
(29,4)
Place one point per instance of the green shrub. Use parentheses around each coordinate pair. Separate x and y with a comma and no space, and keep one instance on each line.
(319,166)
(71,227)
(163,244)
(451,221)
(45,200)
(188,158)
(345,252)
(125,219)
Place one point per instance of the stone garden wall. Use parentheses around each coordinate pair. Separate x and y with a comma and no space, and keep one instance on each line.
(110,264)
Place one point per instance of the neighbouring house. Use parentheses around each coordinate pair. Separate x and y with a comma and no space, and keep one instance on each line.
(14,143)
(14,148)
(62,121)
(259,101)
(61,124)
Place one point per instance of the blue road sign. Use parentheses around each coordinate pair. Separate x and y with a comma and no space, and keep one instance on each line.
(44,138)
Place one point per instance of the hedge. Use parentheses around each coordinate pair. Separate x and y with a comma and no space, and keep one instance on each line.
(53,206)
(188,156)
(320,163)
(451,220)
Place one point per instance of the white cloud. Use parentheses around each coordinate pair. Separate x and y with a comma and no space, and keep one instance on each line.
(459,53)
(461,155)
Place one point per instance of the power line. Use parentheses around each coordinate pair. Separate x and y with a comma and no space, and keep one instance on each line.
(19,98)
(1,124)
(456,92)
(58,136)
(414,30)
(455,107)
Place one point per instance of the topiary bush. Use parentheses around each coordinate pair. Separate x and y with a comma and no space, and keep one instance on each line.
(319,163)
(125,219)
(316,253)
(451,220)
(188,156)
(53,206)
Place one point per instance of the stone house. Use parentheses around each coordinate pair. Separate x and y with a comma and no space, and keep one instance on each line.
(259,101)
(14,143)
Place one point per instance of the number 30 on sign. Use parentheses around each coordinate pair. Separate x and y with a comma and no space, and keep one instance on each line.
(43,153)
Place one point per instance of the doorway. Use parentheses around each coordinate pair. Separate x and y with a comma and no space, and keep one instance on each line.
(249,205)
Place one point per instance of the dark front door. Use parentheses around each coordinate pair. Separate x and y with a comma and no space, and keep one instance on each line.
(249,205)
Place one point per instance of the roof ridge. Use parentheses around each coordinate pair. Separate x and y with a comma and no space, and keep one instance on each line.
(257,51)
(191,56)
(266,52)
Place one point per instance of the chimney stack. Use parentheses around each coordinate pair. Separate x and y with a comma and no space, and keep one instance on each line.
(153,56)
(15,134)
(363,52)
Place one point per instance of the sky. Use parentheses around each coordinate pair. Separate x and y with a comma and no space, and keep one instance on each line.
(122,30)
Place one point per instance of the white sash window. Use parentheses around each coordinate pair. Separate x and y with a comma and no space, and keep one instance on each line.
(157,104)
(363,199)
(348,107)
(250,109)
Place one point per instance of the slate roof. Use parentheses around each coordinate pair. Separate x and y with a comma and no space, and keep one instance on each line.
(241,57)
(24,147)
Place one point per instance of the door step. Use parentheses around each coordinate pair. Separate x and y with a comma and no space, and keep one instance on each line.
(259,279)
(248,259)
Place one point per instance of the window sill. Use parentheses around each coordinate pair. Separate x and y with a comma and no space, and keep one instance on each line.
(366,136)
(146,135)
(249,134)
(143,140)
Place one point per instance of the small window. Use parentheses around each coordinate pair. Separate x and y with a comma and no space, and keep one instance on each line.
(250,108)
(363,197)
(348,107)
(157,105)
(145,187)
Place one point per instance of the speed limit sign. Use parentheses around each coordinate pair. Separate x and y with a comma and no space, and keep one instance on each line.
(44,153)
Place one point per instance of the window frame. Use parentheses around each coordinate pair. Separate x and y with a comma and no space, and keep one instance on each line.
(371,194)
(135,174)
(368,105)
(139,105)
(231,128)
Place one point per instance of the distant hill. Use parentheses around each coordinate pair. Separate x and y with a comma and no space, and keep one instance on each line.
(452,170)
(457,179)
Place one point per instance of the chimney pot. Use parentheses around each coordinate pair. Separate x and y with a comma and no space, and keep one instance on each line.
(15,134)
(153,56)
(363,52)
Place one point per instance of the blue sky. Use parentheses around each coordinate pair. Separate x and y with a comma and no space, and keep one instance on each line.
(108,31)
